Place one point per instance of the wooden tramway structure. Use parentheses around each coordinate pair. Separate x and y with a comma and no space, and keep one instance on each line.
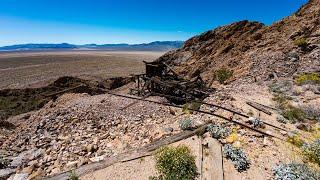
(161,78)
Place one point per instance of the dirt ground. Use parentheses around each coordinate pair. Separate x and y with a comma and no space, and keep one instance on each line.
(34,69)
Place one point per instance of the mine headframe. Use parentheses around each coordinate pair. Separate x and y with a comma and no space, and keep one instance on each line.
(161,80)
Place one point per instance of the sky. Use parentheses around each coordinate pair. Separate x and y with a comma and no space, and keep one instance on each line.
(128,21)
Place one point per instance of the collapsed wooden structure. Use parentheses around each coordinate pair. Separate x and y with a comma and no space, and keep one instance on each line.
(161,80)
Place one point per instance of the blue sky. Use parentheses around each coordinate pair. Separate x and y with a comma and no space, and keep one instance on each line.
(127,21)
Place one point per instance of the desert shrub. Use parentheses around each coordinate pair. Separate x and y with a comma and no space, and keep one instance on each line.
(312,151)
(256,122)
(294,171)
(73,175)
(308,78)
(218,131)
(301,42)
(189,107)
(237,156)
(281,100)
(281,119)
(293,114)
(295,140)
(175,163)
(311,112)
(186,124)
(222,75)
(281,86)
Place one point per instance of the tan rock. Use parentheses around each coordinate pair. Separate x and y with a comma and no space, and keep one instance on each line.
(28,169)
(72,164)
(36,174)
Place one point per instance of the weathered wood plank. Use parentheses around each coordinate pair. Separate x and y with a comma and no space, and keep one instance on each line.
(212,160)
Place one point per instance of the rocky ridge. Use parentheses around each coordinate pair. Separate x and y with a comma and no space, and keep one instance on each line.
(253,50)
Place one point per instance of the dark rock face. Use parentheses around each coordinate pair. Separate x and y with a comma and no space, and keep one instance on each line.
(253,50)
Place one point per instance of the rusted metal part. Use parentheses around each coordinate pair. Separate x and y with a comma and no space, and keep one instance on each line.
(259,107)
(135,102)
(200,111)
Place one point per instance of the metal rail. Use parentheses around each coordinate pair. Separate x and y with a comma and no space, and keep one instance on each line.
(214,105)
(200,111)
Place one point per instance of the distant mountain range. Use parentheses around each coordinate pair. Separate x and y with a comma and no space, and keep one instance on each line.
(153,46)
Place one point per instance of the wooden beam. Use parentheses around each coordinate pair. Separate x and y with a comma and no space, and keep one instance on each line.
(212,159)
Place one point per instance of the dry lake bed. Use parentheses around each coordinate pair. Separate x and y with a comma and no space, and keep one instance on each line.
(32,69)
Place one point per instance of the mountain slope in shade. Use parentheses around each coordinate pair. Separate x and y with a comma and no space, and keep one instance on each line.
(153,46)
(252,49)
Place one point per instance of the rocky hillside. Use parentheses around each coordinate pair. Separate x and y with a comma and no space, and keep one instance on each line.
(253,50)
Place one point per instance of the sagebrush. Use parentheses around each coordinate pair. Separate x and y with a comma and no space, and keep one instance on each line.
(312,151)
(223,74)
(174,163)
(237,156)
(294,171)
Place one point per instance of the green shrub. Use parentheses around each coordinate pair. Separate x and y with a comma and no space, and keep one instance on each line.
(223,75)
(73,175)
(238,157)
(218,131)
(175,163)
(294,171)
(293,114)
(186,124)
(191,106)
(312,151)
(301,42)
(281,100)
(295,140)
(308,78)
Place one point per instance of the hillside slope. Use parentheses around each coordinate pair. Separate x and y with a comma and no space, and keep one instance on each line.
(252,49)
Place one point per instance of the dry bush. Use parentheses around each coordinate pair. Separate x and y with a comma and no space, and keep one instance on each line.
(308,78)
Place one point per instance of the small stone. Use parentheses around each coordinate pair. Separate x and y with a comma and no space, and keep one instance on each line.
(72,164)
(304,126)
(36,174)
(97,159)
(16,161)
(20,176)
(28,169)
(82,161)
(265,141)
(168,129)
(89,148)
(283,132)
(5,173)
(172,112)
